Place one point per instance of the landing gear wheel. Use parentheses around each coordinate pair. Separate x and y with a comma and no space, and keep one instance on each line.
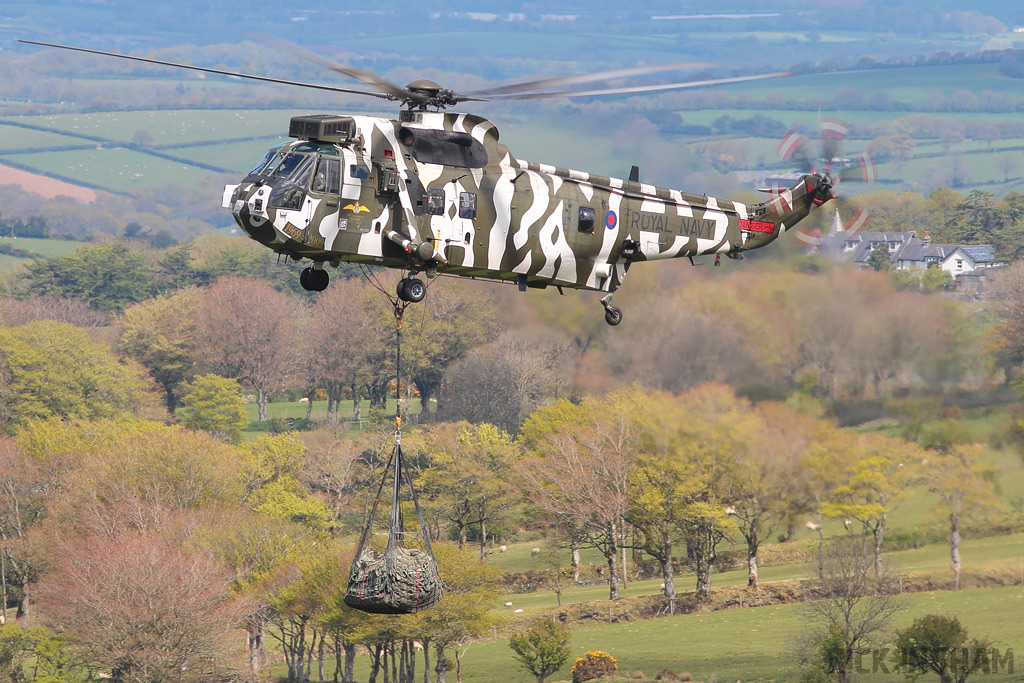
(411,289)
(612,315)
(318,280)
(313,280)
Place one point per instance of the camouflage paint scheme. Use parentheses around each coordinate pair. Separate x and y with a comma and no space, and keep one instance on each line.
(531,220)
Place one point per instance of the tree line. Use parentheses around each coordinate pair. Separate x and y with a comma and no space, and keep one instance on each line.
(840,337)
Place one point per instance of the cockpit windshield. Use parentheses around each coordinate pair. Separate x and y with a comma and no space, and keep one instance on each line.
(271,155)
(295,167)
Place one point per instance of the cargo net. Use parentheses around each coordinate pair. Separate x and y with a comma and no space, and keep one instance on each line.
(400,580)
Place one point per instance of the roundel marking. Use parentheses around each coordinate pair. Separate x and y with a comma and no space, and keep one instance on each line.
(611,220)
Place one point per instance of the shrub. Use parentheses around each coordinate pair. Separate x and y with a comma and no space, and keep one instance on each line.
(594,664)
(666,674)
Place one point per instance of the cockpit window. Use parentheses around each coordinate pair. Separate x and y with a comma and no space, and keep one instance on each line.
(263,163)
(292,166)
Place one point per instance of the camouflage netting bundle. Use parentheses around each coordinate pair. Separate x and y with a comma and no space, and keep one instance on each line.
(397,581)
(400,580)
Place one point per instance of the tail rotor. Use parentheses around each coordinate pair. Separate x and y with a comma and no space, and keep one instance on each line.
(825,157)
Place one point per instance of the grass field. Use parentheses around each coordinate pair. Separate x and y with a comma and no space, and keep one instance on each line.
(46,247)
(747,644)
(39,246)
(909,85)
(294,409)
(90,148)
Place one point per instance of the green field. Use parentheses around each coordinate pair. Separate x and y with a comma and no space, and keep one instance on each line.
(753,644)
(97,148)
(750,644)
(43,247)
(910,85)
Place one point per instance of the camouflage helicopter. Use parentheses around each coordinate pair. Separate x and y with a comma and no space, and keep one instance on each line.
(434,192)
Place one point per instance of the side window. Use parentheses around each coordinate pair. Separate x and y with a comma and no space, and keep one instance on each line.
(586,222)
(435,202)
(326,177)
(357,172)
(467,205)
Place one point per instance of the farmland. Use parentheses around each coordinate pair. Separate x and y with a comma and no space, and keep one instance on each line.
(122,152)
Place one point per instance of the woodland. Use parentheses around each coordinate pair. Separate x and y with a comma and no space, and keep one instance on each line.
(139,495)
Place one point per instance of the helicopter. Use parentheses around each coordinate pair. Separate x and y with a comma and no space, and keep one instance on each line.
(434,192)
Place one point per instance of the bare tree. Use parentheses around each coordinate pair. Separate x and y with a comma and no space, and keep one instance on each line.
(74,311)
(849,611)
(683,348)
(249,331)
(579,462)
(142,608)
(759,487)
(334,341)
(499,383)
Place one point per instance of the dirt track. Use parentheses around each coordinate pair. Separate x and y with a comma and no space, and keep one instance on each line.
(46,187)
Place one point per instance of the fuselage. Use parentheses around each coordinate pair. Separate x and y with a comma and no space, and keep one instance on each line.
(438,191)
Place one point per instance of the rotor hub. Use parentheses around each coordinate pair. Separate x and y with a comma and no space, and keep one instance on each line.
(426,93)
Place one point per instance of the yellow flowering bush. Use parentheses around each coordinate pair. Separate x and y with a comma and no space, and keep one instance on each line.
(594,664)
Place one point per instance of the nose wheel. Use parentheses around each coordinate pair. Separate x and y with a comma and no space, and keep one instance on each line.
(612,314)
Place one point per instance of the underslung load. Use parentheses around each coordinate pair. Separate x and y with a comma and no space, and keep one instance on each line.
(399,580)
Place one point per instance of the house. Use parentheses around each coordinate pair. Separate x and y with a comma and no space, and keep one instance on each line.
(906,250)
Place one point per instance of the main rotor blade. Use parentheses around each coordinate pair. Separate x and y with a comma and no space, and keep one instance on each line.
(265,79)
(632,89)
(578,79)
(364,76)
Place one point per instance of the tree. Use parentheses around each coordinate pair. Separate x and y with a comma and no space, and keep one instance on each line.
(663,486)
(465,612)
(255,549)
(307,590)
(879,260)
(499,383)
(702,428)
(143,482)
(110,277)
(160,334)
(934,279)
(214,404)
(248,331)
(336,342)
(966,487)
(1005,341)
(50,655)
(270,468)
(141,608)
(875,482)
(542,648)
(451,322)
(686,347)
(578,462)
(758,487)
(468,476)
(53,369)
(939,644)
(850,611)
